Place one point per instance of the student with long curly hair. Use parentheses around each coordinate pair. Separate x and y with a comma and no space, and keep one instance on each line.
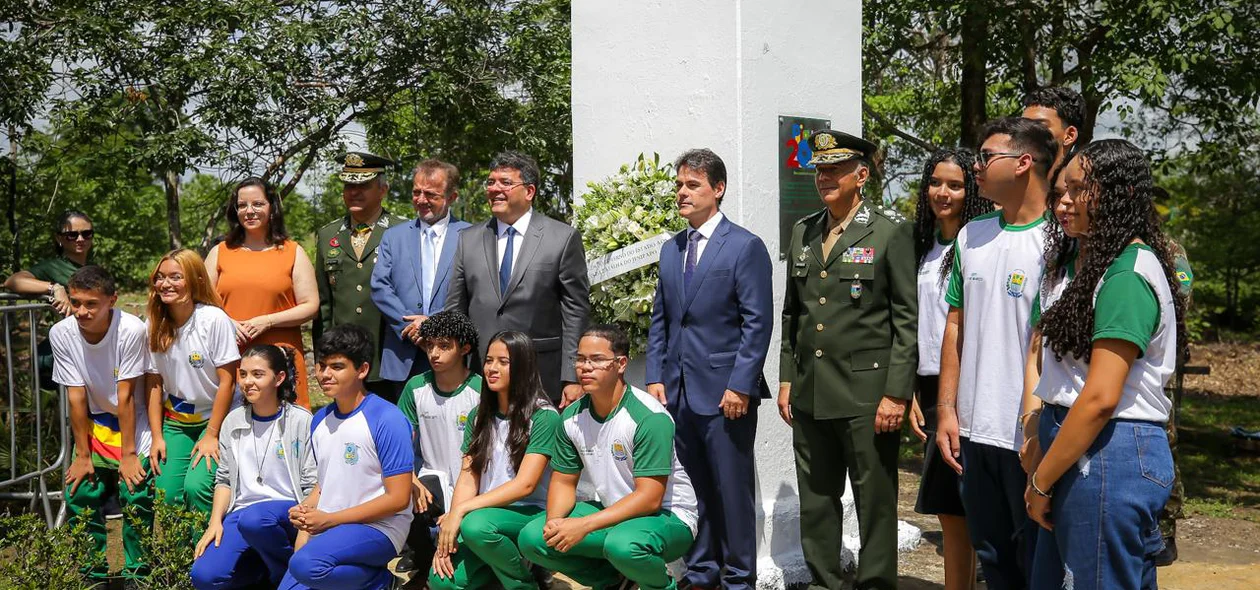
(266,468)
(948,198)
(191,377)
(502,486)
(1111,315)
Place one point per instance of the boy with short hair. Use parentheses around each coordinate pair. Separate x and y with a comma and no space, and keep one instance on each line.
(437,403)
(355,520)
(625,438)
(99,355)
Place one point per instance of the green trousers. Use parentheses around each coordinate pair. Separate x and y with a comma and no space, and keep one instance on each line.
(487,549)
(638,548)
(180,482)
(90,497)
(825,451)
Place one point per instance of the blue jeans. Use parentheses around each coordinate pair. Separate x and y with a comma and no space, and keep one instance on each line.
(256,546)
(345,557)
(1106,510)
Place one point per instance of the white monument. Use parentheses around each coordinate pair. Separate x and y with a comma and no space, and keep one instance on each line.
(667,75)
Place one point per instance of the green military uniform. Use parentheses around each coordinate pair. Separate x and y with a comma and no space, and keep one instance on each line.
(345,278)
(849,339)
(1172,509)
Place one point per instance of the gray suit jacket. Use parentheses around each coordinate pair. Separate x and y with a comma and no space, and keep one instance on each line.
(548,297)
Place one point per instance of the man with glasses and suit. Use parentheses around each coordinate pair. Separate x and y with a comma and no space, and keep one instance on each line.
(413,269)
(524,271)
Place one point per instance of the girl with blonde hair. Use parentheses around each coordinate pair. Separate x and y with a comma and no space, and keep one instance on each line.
(190,378)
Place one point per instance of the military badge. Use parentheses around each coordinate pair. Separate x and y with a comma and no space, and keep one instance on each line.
(334,242)
(354,160)
(333,253)
(863,216)
(824,141)
(855,290)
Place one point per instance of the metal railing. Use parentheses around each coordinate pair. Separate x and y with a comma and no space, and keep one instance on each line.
(24,412)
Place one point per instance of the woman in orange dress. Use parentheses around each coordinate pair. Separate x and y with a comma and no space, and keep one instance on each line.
(265,279)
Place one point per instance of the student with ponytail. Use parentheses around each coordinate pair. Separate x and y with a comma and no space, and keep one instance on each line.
(190,377)
(265,468)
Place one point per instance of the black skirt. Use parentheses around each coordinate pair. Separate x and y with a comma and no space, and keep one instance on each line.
(939,486)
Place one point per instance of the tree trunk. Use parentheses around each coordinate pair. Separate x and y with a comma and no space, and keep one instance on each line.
(1028,50)
(974,69)
(170,182)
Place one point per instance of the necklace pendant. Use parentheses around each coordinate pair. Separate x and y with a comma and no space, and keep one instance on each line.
(258,479)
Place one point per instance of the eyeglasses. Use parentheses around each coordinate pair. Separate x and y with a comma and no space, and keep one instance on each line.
(74,235)
(987,158)
(600,363)
(507,185)
(173,279)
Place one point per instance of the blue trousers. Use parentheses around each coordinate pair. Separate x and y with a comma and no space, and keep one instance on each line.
(256,546)
(993,483)
(345,557)
(1106,510)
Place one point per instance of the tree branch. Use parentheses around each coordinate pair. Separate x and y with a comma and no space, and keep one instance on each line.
(885,123)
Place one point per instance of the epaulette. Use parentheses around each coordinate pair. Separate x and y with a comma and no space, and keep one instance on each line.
(890,214)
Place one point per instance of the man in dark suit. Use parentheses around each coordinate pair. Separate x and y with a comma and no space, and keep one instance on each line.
(524,271)
(711,323)
(413,269)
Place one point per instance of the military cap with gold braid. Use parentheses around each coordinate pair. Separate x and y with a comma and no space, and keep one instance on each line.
(360,167)
(833,147)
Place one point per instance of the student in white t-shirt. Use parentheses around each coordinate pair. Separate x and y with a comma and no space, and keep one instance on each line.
(265,468)
(99,355)
(1111,313)
(356,519)
(438,403)
(948,199)
(623,439)
(994,277)
(508,443)
(191,378)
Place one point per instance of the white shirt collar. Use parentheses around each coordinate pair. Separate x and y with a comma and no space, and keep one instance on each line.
(707,228)
(438,227)
(520,226)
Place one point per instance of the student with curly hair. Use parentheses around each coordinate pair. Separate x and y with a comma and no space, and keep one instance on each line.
(948,199)
(1111,314)
(265,468)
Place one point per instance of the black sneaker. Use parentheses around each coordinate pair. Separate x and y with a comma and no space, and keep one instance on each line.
(111,508)
(542,576)
(1169,554)
(406,563)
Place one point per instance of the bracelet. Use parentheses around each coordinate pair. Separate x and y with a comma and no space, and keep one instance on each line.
(1036,412)
(945,405)
(1032,481)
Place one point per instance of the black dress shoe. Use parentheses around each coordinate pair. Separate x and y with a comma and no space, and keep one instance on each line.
(542,576)
(1169,554)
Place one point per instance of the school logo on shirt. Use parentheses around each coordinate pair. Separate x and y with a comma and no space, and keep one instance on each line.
(196,360)
(280,448)
(619,451)
(461,422)
(115,372)
(352,454)
(975,276)
(1015,283)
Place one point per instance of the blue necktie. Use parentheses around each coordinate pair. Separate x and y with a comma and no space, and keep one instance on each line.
(689,267)
(505,267)
(427,266)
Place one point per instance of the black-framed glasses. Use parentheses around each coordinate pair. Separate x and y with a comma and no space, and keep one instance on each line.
(74,235)
(596,362)
(986,158)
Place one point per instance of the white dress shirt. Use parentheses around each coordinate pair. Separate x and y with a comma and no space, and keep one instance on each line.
(705,230)
(520,226)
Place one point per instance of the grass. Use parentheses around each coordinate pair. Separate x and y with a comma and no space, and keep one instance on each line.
(1220,478)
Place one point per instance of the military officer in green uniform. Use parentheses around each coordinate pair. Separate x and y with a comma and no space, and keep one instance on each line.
(346,254)
(848,361)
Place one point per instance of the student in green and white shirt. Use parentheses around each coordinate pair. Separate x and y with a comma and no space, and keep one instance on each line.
(508,442)
(1112,319)
(437,403)
(624,439)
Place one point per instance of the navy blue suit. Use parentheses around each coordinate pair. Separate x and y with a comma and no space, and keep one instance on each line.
(397,292)
(705,339)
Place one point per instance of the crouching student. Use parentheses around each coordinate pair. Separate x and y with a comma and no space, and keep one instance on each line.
(503,480)
(100,355)
(437,403)
(357,517)
(265,468)
(625,439)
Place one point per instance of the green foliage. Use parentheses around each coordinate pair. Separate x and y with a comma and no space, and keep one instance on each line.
(169,546)
(633,205)
(32,557)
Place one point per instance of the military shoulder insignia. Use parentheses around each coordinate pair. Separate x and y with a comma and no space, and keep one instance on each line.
(354,160)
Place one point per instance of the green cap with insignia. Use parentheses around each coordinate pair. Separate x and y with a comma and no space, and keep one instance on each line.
(360,167)
(833,147)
